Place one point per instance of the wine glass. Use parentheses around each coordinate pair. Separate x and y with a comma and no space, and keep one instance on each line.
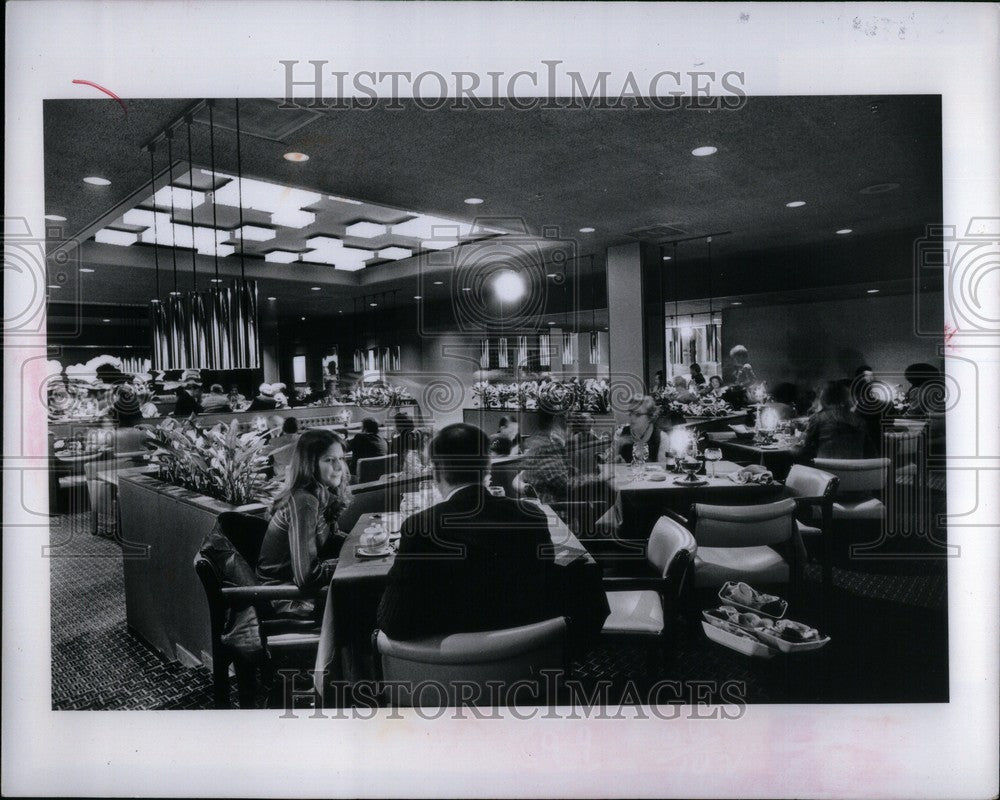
(713,454)
(640,452)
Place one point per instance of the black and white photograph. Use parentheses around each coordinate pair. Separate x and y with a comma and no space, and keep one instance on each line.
(619,403)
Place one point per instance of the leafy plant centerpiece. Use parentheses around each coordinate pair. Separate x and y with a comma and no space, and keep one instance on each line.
(219,462)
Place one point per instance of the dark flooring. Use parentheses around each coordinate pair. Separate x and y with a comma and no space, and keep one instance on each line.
(887,620)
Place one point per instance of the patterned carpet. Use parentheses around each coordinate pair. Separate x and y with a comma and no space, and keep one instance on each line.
(889,643)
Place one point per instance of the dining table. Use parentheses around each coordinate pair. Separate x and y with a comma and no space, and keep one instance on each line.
(778,456)
(345,655)
(642,498)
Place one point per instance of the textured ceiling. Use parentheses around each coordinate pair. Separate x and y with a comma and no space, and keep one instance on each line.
(627,173)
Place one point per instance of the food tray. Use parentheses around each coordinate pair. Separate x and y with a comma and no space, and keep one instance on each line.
(792,647)
(747,645)
(727,588)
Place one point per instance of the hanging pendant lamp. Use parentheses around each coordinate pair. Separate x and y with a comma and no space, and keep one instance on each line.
(160,351)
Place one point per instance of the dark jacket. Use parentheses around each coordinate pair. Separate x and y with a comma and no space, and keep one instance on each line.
(474,562)
(366,445)
(263,403)
(835,433)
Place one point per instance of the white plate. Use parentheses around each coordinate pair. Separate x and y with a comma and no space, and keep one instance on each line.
(746,645)
(373,552)
(656,477)
(793,647)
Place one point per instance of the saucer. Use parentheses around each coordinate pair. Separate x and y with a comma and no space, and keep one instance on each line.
(373,552)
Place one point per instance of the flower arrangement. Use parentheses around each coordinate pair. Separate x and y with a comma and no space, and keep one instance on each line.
(557,397)
(378,395)
(596,395)
(219,462)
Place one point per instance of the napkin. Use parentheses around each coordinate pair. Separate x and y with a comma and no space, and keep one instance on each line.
(754,473)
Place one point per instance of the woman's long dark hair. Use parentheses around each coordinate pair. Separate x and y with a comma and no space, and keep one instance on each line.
(303,474)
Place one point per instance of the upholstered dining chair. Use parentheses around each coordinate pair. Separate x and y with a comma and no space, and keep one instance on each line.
(737,543)
(472,669)
(643,608)
(813,490)
(242,634)
(371,469)
(858,501)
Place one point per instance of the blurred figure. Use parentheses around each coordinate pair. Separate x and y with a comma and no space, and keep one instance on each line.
(264,401)
(187,403)
(782,403)
(367,444)
(715,386)
(871,399)
(836,431)
(641,429)
(408,443)
(583,446)
(216,402)
(659,381)
(684,395)
(546,463)
(506,441)
(739,371)
(697,378)
(927,399)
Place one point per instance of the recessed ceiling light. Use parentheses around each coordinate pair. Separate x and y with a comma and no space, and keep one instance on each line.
(303,319)
(667,258)
(55,218)
(314,288)
(373,305)
(842,231)
(272,298)
(879,188)
(54,286)
(418,297)
(298,158)
(551,322)
(86,269)
(175,294)
(105,320)
(873,291)
(466,288)
(705,151)
(795,204)
(473,201)
(586,230)
(215,280)
(552,275)
(95,181)
(340,311)
(439,283)
(737,302)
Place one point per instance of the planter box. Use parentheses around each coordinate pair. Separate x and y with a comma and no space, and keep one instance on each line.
(162,528)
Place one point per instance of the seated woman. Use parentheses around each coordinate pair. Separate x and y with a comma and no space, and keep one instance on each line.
(408,444)
(714,386)
(641,428)
(835,431)
(302,542)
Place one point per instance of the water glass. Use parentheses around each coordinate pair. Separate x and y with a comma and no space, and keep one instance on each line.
(713,454)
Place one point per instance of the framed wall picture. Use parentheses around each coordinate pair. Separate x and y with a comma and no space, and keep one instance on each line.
(331,365)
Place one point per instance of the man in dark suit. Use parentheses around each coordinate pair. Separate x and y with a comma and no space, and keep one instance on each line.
(367,444)
(473,562)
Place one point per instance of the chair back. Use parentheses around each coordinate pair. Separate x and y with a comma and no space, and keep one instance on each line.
(436,667)
(670,543)
(377,501)
(743,526)
(803,481)
(371,469)
(856,474)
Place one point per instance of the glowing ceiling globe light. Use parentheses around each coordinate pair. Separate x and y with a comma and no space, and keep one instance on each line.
(509,286)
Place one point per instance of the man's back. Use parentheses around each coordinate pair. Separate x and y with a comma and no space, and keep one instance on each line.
(367,445)
(473,562)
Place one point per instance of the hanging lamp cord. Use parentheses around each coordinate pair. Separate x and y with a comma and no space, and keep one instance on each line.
(239,174)
(194,251)
(170,188)
(156,247)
